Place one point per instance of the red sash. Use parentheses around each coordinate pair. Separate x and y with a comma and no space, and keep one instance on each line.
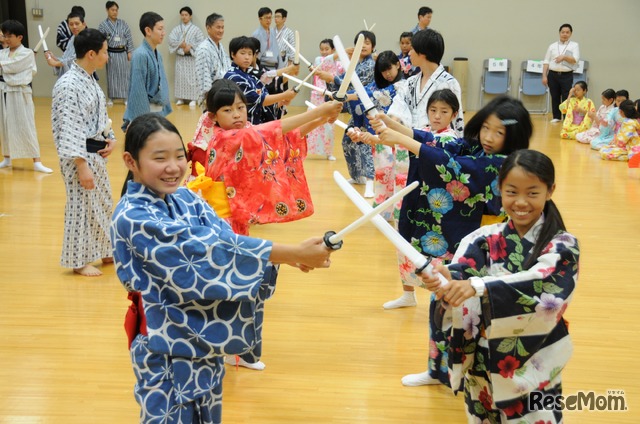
(134,321)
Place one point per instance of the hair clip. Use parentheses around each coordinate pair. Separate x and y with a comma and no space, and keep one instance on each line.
(506,122)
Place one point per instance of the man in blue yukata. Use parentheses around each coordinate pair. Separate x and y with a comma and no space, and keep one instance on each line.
(148,85)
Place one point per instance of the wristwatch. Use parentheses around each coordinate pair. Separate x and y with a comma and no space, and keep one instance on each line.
(478,285)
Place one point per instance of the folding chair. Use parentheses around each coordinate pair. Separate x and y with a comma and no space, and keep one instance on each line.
(581,74)
(531,85)
(495,78)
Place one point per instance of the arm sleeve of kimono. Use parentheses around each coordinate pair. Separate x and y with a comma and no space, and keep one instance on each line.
(67,122)
(538,293)
(62,38)
(175,38)
(196,262)
(205,68)
(128,37)
(103,29)
(399,107)
(19,63)
(138,99)
(564,107)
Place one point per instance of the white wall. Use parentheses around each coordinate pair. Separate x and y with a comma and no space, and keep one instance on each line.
(608,32)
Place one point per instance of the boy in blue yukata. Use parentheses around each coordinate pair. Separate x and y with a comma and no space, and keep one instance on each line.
(148,85)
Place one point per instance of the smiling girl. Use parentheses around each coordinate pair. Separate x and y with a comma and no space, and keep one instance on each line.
(198,289)
(458,186)
(509,285)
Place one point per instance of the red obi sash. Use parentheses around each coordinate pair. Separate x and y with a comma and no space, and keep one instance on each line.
(134,321)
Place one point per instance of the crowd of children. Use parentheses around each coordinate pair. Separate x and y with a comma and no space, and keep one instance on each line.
(470,175)
(614,130)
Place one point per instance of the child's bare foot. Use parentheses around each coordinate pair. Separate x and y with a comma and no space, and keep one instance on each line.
(88,271)
(108,260)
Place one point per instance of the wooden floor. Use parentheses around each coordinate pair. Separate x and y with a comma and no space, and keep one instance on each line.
(333,354)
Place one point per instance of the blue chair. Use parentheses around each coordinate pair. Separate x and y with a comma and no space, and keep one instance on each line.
(494,82)
(582,76)
(531,85)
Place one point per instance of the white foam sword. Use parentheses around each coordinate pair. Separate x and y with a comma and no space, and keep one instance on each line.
(333,240)
(422,263)
(42,42)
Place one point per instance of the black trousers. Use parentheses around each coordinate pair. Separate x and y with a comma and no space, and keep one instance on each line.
(560,84)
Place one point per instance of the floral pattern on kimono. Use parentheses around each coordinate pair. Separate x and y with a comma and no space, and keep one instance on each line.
(601,115)
(262,169)
(359,156)
(203,290)
(514,340)
(320,140)
(608,130)
(626,142)
(577,117)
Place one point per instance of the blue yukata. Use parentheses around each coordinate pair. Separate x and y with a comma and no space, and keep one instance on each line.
(203,289)
(358,155)
(148,85)
(253,89)
(458,185)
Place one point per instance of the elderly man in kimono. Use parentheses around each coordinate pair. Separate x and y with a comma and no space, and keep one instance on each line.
(211,61)
(79,121)
(148,86)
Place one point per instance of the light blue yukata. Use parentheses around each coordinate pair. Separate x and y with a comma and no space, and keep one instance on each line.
(148,85)
(203,289)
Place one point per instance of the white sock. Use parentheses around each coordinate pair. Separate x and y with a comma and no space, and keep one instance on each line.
(5,163)
(368,189)
(408,298)
(231,360)
(39,167)
(421,379)
(331,157)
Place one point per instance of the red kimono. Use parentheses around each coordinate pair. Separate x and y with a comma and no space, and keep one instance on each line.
(262,170)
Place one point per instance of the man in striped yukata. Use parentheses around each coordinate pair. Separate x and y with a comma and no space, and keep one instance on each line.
(120,48)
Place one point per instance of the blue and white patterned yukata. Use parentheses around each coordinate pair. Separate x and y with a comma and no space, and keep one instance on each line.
(203,289)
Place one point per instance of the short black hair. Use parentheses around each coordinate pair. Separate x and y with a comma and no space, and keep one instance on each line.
(242,42)
(223,93)
(75,15)
(187,9)
(566,26)
(283,12)
(149,20)
(424,10)
(109,5)
(368,35)
(80,9)
(622,93)
(429,43)
(13,27)
(264,11)
(88,40)
(406,34)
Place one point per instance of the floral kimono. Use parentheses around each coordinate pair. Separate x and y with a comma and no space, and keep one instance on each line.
(459,184)
(626,142)
(577,117)
(262,169)
(513,340)
(588,135)
(320,140)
